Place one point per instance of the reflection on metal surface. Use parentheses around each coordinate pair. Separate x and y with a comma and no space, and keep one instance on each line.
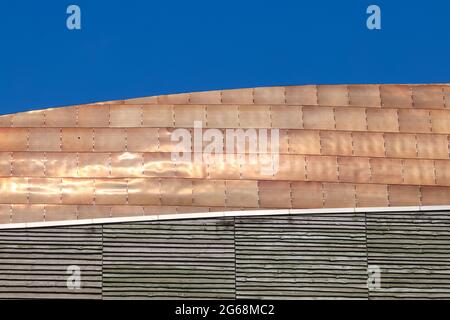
(339,146)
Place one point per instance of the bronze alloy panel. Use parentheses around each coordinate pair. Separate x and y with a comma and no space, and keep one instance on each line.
(340,146)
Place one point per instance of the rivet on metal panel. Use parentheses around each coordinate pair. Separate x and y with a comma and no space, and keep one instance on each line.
(442,172)
(77,139)
(414,120)
(428,96)
(404,196)
(440,120)
(432,146)
(61,117)
(419,172)
(336,143)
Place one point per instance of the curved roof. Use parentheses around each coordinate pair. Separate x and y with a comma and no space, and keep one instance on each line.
(339,146)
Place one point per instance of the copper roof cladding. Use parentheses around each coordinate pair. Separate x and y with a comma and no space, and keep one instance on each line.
(340,146)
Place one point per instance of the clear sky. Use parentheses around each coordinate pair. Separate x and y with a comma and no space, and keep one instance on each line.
(134,48)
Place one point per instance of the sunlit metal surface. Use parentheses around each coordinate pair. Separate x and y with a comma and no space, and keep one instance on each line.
(339,146)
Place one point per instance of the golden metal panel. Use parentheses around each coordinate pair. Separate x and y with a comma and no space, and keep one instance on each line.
(352,119)
(93,211)
(5,213)
(180,98)
(224,116)
(418,172)
(44,190)
(126,211)
(354,169)
(242,194)
(208,193)
(221,169)
(159,165)
(318,118)
(396,96)
(239,96)
(269,95)
(432,196)
(304,142)
(446,90)
(13,190)
(372,195)
(161,210)
(186,115)
(339,195)
(301,95)
(400,145)
(28,164)
(287,117)
(254,116)
(384,120)
(336,143)
(127,164)
(77,191)
(404,196)
(93,116)
(321,168)
(158,116)
(442,172)
(176,192)
(60,212)
(94,165)
(22,213)
(415,121)
(333,95)
(190,169)
(364,95)
(125,116)
(440,121)
(106,139)
(77,139)
(5,164)
(428,96)
(29,119)
(6,121)
(44,139)
(144,192)
(61,117)
(368,144)
(306,195)
(290,167)
(110,191)
(142,139)
(13,139)
(386,171)
(61,165)
(164,138)
(207,97)
(432,146)
(274,194)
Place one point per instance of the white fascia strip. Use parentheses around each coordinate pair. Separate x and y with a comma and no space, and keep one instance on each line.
(203,215)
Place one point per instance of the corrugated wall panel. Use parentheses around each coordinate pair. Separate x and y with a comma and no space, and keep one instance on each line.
(301,257)
(178,259)
(34,263)
(412,251)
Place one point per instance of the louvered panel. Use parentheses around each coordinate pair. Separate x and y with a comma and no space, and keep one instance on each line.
(412,251)
(191,259)
(34,263)
(320,256)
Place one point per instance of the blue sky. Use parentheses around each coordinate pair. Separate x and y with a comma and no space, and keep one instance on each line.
(133,48)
